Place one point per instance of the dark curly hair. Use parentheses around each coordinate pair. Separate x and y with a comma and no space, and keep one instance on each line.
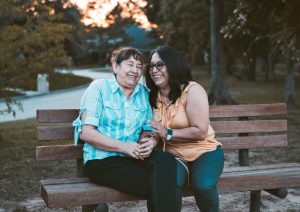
(179,73)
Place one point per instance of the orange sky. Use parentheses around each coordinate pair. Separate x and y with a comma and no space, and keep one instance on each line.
(95,12)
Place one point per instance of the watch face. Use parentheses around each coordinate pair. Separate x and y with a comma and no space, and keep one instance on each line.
(169,131)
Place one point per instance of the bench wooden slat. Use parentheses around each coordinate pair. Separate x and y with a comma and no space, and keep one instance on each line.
(247,110)
(59,152)
(54,133)
(253,142)
(68,152)
(71,192)
(48,133)
(56,116)
(252,126)
(68,115)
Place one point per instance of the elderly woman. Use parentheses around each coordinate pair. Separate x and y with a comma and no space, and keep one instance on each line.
(117,151)
(181,114)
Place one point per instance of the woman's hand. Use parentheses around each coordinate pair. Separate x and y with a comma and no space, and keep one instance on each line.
(159,129)
(146,146)
(132,149)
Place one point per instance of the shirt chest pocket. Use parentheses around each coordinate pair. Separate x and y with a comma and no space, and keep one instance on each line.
(112,115)
(140,113)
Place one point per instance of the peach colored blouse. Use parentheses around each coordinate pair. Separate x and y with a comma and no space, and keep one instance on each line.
(174,116)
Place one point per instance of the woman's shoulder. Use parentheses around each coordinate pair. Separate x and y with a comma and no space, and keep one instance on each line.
(97,85)
(194,90)
(193,86)
(98,82)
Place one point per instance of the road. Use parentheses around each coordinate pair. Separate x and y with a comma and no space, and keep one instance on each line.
(62,99)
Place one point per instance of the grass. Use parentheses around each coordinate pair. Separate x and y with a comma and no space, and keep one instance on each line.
(57,81)
(246,92)
(20,172)
(61,81)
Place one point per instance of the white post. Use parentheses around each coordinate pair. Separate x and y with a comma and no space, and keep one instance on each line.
(42,83)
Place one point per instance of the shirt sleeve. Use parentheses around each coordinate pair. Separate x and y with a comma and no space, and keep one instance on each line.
(92,103)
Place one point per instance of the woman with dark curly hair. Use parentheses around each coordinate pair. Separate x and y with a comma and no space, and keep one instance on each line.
(181,120)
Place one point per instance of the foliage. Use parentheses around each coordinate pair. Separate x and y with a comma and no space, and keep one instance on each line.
(276,20)
(32,39)
(185,25)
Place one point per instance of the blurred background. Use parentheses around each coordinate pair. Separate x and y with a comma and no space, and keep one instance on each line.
(243,40)
(241,51)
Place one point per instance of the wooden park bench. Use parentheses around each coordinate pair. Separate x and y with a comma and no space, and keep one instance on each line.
(237,127)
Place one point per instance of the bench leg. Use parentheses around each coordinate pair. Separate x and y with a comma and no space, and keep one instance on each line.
(88,208)
(278,192)
(255,201)
(102,208)
(97,208)
(244,157)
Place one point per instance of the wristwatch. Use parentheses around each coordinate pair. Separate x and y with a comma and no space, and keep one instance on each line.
(169,134)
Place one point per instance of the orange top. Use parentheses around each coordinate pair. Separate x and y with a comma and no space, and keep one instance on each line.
(175,117)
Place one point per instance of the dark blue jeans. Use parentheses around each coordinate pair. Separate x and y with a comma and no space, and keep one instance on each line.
(204,174)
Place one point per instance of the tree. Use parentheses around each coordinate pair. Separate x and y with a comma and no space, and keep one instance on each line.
(185,24)
(248,26)
(115,35)
(282,32)
(219,92)
(32,40)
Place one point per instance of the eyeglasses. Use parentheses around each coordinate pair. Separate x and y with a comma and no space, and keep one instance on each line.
(159,66)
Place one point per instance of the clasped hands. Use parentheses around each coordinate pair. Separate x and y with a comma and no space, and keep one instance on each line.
(142,149)
(145,146)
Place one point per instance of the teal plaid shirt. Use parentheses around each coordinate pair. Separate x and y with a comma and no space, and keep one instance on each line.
(113,114)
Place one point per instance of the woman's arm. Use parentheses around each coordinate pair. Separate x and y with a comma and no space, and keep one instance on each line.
(92,136)
(197,109)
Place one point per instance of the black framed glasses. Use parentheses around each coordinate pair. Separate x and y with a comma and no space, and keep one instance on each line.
(159,66)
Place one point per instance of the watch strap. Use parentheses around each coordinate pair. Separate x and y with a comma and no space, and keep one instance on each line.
(169,134)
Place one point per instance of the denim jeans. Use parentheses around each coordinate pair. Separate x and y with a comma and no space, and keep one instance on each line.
(204,173)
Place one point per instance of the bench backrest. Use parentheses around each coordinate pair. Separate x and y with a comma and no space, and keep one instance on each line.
(237,127)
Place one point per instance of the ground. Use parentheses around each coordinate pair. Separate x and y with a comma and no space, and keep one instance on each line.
(20,172)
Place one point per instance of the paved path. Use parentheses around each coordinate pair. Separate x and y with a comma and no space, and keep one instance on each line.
(62,99)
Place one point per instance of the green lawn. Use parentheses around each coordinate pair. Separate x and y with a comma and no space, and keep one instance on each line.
(57,81)
(245,92)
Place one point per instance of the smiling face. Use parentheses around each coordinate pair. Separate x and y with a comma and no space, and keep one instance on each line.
(158,71)
(128,72)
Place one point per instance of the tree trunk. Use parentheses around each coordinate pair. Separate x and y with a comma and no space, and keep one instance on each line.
(219,91)
(289,81)
(270,74)
(261,65)
(251,72)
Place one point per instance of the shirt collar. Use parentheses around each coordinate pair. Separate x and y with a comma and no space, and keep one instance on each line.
(136,89)
(114,86)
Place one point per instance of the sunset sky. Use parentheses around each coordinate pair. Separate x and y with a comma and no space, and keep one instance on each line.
(95,12)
